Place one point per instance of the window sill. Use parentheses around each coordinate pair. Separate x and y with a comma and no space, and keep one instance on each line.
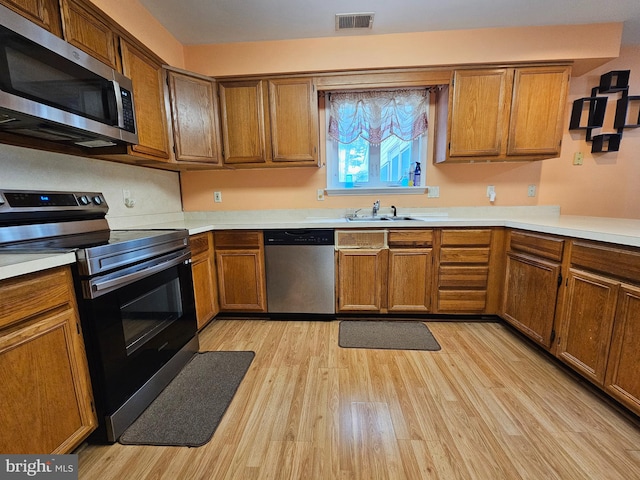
(376,191)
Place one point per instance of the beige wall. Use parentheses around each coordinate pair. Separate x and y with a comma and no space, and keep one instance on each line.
(137,20)
(607,184)
(585,43)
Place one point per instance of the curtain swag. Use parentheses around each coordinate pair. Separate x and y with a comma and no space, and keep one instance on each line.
(377,115)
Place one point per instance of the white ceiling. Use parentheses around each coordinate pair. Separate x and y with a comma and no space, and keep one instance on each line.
(195,22)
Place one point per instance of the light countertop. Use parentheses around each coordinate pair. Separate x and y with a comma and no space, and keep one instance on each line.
(536,219)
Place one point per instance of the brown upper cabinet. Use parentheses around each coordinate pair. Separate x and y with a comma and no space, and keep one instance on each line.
(269,123)
(503,114)
(145,71)
(90,30)
(45,13)
(194,117)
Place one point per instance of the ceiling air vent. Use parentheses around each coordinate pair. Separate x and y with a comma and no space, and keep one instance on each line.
(353,21)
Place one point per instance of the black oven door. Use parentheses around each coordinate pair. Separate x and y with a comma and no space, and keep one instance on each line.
(133,330)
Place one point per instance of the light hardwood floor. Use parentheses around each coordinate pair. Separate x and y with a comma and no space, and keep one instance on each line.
(487,406)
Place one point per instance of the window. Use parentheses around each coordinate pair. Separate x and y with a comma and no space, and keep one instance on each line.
(375,138)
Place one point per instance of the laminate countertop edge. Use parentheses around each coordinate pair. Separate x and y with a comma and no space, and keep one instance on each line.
(624,232)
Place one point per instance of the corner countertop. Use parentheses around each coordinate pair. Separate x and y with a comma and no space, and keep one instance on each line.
(537,219)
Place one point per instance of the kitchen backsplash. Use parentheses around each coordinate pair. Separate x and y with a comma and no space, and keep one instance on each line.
(153,192)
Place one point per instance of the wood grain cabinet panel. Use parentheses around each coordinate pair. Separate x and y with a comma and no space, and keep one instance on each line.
(241,271)
(148,92)
(586,328)
(268,123)
(194,115)
(505,114)
(293,107)
(362,280)
(622,378)
(244,124)
(46,402)
(44,13)
(90,31)
(463,270)
(477,112)
(530,296)
(410,273)
(204,277)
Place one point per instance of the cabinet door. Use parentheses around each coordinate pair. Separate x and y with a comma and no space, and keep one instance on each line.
(45,397)
(194,118)
(362,279)
(622,379)
(241,281)
(89,31)
(585,332)
(293,107)
(244,124)
(204,278)
(410,272)
(148,96)
(44,13)
(530,295)
(478,108)
(537,110)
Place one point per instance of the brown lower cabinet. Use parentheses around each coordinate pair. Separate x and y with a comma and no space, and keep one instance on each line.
(240,268)
(532,282)
(622,380)
(205,285)
(396,278)
(580,300)
(46,402)
(599,331)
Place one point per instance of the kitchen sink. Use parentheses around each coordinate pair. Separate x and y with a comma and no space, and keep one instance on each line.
(382,218)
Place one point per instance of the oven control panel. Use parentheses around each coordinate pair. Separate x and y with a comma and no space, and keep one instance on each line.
(46,206)
(44,200)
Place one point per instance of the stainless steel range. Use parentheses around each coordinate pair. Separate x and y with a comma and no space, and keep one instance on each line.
(134,290)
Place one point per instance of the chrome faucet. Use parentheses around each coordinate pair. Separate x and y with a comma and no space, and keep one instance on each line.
(376,208)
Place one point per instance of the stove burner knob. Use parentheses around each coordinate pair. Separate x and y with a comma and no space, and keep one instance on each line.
(97,200)
(83,200)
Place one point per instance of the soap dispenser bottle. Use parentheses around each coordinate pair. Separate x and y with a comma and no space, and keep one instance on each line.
(416,175)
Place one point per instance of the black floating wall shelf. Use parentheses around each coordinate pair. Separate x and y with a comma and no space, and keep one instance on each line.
(616,81)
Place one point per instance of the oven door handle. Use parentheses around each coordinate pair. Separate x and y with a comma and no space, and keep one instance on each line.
(101,286)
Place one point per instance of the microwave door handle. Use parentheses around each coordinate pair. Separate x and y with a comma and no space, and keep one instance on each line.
(116,109)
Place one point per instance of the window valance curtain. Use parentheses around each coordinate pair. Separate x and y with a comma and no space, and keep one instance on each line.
(377,115)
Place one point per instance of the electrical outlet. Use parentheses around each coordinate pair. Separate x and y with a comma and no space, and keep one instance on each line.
(433,192)
(578,158)
(217,197)
(531,191)
(320,194)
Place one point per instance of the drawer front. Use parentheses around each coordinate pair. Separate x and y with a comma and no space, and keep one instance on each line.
(462,300)
(543,246)
(28,295)
(464,255)
(237,239)
(614,261)
(454,237)
(199,244)
(463,277)
(410,238)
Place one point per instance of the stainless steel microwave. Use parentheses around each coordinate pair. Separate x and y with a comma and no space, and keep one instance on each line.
(53,91)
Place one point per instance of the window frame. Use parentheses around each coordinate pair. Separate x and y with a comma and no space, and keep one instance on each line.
(424,155)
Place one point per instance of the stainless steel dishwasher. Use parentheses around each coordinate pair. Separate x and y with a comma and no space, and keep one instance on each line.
(300,271)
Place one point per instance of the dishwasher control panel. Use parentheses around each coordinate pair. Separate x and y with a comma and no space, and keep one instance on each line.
(299,237)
